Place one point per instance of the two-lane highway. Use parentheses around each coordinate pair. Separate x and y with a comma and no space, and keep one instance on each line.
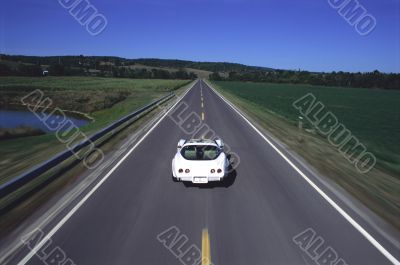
(251,218)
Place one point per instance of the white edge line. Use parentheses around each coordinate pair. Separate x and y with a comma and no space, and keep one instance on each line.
(359,228)
(87,196)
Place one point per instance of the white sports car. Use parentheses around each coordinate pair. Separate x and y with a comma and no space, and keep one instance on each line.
(200,161)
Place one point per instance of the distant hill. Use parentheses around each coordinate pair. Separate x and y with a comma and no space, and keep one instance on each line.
(207,66)
(223,67)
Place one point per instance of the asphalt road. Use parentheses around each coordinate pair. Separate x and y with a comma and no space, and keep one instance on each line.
(251,218)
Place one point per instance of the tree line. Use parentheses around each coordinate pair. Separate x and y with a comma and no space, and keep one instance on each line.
(109,66)
(148,74)
(56,69)
(95,61)
(373,79)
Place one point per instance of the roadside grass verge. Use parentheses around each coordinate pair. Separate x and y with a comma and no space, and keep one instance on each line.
(21,131)
(103,99)
(270,105)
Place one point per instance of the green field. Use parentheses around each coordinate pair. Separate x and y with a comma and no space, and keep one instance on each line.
(373,116)
(102,99)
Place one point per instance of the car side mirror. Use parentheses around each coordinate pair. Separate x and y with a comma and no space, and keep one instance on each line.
(181,143)
(220,143)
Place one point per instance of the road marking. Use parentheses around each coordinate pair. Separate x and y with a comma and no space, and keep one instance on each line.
(202,104)
(90,193)
(357,226)
(205,248)
(202,116)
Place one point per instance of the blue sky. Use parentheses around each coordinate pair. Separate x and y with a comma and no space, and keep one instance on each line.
(285,34)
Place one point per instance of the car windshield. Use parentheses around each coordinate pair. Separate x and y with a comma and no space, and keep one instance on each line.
(200,152)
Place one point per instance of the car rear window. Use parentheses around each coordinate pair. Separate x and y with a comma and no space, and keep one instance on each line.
(200,152)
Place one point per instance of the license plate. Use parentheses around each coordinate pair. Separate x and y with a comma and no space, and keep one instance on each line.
(200,180)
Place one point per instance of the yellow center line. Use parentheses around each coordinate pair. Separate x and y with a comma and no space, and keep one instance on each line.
(205,248)
(202,116)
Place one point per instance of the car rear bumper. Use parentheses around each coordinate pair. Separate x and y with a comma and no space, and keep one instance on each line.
(200,179)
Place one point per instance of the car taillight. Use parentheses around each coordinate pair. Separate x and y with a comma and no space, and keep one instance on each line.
(219,170)
(212,170)
(187,171)
(180,170)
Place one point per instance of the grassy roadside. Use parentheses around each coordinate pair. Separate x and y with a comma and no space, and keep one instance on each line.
(104,99)
(379,189)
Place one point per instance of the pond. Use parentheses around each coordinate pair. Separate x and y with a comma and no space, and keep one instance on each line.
(10,119)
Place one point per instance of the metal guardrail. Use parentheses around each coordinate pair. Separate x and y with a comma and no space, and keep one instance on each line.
(19,181)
